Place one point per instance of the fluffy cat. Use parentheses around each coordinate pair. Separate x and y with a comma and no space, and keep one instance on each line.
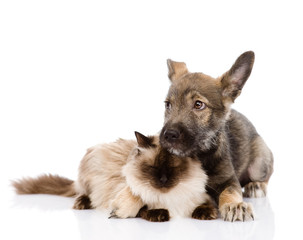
(132,179)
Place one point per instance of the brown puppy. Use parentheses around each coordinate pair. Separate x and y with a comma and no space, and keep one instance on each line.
(199,122)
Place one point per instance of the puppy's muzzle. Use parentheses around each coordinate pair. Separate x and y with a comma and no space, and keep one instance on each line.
(171,135)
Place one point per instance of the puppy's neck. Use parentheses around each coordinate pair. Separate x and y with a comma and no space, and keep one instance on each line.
(217,151)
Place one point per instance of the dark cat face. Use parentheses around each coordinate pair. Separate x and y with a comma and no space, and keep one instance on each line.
(163,172)
(153,165)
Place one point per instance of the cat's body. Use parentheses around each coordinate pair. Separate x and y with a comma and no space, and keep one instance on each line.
(126,175)
(100,176)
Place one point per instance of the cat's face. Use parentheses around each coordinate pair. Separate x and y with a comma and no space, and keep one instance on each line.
(149,164)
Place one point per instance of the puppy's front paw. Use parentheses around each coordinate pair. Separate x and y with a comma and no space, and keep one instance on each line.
(205,212)
(237,211)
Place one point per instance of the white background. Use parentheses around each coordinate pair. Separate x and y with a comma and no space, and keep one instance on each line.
(77,73)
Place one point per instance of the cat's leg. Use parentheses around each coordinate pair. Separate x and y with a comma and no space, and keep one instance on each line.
(82,202)
(154,215)
(125,205)
(206,211)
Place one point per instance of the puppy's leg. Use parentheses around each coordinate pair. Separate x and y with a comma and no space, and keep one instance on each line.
(255,189)
(232,207)
(259,170)
(125,205)
(154,215)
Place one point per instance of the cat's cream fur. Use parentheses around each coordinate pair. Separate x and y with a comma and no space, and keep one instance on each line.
(100,178)
(123,177)
(180,200)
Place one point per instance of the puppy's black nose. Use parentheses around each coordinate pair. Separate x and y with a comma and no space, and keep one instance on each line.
(171,135)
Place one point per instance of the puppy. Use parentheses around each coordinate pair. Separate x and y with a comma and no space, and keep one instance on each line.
(199,122)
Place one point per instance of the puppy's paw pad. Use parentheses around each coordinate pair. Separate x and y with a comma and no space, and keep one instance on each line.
(237,211)
(255,190)
(205,212)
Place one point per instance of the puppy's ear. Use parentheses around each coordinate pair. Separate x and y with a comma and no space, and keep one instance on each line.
(233,81)
(143,141)
(176,69)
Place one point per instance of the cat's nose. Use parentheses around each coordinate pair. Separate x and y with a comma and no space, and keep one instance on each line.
(163,179)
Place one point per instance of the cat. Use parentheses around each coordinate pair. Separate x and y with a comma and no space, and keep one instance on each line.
(132,179)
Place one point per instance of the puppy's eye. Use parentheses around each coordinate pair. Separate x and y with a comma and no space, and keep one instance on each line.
(167,105)
(199,105)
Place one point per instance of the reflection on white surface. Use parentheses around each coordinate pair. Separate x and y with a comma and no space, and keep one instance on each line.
(53,215)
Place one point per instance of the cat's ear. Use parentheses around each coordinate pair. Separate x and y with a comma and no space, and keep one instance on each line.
(143,141)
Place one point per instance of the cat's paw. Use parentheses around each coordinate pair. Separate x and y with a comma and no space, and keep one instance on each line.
(205,212)
(125,205)
(237,211)
(121,213)
(113,214)
(154,215)
(157,215)
(82,202)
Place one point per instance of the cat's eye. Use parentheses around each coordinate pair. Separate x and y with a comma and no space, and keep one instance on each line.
(199,105)
(167,105)
(138,151)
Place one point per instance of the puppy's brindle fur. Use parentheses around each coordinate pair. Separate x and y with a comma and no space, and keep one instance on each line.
(200,122)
